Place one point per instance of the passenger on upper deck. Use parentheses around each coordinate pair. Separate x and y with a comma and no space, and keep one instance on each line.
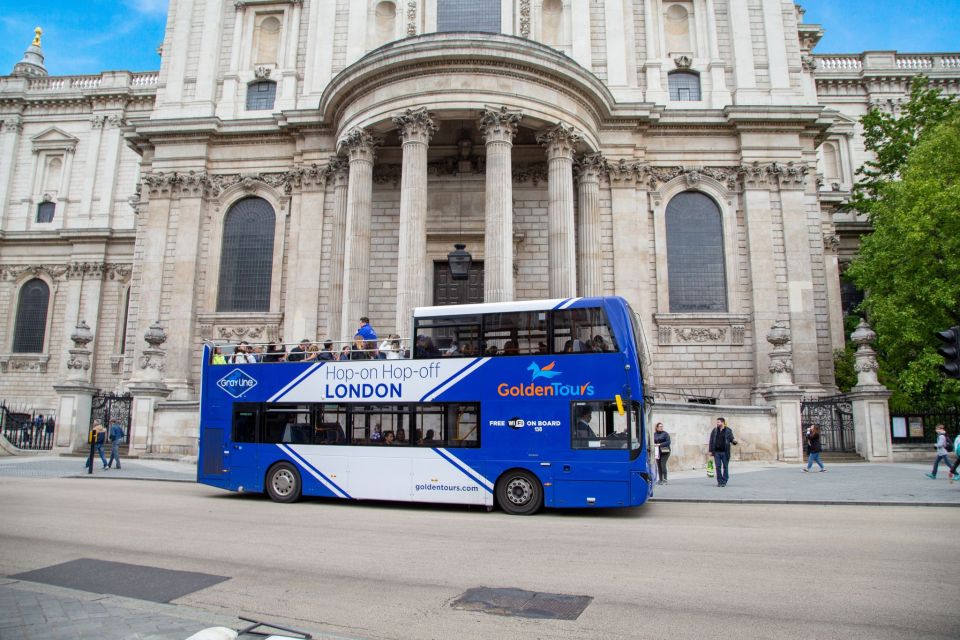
(327,353)
(274,353)
(217,357)
(299,352)
(366,331)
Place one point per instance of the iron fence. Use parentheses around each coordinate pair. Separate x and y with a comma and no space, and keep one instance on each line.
(917,425)
(27,429)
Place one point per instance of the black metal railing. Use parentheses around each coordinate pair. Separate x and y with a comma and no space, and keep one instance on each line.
(834,416)
(26,429)
(918,425)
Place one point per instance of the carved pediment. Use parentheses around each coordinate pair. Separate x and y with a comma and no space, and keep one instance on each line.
(53,139)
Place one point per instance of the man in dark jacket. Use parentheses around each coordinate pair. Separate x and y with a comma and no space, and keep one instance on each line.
(721,440)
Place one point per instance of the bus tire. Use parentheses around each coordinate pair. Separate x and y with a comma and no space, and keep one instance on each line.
(283,483)
(519,493)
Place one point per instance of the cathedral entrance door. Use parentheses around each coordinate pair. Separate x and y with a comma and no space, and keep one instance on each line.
(446,290)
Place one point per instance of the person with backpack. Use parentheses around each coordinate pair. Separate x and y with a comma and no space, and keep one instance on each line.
(116,437)
(943,444)
(97,438)
(813,448)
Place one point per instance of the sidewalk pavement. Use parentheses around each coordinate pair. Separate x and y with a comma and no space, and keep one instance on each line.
(74,467)
(898,483)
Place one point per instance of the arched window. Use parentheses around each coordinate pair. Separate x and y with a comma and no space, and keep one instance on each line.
(468,15)
(31,324)
(246,257)
(695,264)
(261,95)
(684,85)
(45,211)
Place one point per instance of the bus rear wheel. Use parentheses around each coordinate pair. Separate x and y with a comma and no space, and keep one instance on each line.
(519,493)
(283,483)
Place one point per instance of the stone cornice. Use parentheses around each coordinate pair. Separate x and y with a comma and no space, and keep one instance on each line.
(212,185)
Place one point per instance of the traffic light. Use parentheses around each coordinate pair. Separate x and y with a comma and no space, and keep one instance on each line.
(950,351)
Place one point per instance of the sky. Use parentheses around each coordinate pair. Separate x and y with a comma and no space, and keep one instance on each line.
(90,36)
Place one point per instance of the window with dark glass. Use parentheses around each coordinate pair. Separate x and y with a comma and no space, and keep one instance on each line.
(684,85)
(30,326)
(380,424)
(468,15)
(45,211)
(515,333)
(439,337)
(582,331)
(598,425)
(261,95)
(245,418)
(447,425)
(126,317)
(695,262)
(246,258)
(289,424)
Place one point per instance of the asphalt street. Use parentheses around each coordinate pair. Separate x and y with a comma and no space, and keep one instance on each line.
(373,570)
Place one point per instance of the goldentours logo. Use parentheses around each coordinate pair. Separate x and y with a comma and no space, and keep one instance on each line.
(236,383)
(548,388)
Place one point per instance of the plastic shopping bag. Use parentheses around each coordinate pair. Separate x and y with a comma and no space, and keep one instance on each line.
(710,468)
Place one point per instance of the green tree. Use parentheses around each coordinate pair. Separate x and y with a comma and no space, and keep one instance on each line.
(891,138)
(910,264)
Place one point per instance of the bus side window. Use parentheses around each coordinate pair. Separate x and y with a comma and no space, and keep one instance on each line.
(582,330)
(245,423)
(597,425)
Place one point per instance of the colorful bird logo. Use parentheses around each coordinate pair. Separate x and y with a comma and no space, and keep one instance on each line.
(546,372)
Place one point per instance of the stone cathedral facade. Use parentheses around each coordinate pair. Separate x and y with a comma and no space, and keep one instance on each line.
(297,164)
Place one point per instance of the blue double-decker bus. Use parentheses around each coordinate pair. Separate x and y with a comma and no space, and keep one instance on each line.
(520,404)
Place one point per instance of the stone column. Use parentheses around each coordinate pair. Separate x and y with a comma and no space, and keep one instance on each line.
(303,271)
(147,388)
(338,171)
(589,249)
(785,396)
(416,129)
(758,213)
(361,147)
(10,129)
(871,411)
(560,142)
(75,394)
(499,126)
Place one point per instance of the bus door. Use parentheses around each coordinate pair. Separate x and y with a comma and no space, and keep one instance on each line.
(240,452)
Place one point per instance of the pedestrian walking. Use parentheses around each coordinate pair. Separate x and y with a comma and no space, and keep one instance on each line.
(721,442)
(97,437)
(116,437)
(813,448)
(943,444)
(956,463)
(661,439)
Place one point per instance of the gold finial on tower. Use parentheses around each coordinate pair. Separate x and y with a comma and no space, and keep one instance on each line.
(36,38)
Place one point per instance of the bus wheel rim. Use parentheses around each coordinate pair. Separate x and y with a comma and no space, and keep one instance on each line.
(283,482)
(519,491)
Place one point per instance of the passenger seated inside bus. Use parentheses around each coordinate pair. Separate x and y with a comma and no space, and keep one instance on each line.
(511,348)
(329,433)
(401,435)
(389,437)
(429,439)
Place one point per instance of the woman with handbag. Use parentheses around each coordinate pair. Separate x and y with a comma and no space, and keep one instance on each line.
(661,439)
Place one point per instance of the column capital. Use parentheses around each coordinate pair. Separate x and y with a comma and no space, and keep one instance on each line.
(360,144)
(560,141)
(416,125)
(589,167)
(338,170)
(498,125)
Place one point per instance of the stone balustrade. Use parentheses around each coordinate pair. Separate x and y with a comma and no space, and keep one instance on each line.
(116,80)
(886,60)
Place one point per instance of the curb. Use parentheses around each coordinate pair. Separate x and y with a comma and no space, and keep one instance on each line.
(94,476)
(832,503)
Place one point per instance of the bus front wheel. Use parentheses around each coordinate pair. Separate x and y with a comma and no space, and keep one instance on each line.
(283,483)
(519,493)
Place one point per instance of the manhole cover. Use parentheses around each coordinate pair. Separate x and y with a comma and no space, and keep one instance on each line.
(525,604)
(121,579)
